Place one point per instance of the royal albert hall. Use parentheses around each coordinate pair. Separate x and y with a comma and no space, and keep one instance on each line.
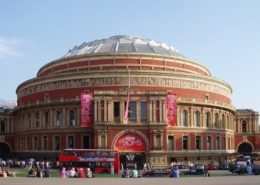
(136,95)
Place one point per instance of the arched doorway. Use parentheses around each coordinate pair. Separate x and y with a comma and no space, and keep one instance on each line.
(4,150)
(245,148)
(132,148)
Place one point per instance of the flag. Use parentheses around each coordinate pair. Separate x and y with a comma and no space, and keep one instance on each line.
(126,110)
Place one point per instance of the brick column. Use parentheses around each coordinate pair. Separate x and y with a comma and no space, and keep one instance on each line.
(64,120)
(95,111)
(105,110)
(138,112)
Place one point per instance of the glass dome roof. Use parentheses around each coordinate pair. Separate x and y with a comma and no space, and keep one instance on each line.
(122,44)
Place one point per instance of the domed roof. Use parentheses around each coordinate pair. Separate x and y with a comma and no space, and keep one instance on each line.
(122,44)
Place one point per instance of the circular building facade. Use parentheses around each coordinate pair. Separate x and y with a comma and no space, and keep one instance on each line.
(143,98)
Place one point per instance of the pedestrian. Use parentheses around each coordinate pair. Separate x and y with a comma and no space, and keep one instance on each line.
(89,173)
(112,168)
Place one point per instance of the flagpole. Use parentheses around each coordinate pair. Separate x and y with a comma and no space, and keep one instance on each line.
(127,103)
(129,82)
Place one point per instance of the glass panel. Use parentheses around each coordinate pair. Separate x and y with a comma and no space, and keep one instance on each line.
(132,111)
(70,141)
(116,111)
(170,142)
(58,118)
(86,142)
(185,142)
(198,141)
(143,111)
(184,118)
(57,143)
(209,143)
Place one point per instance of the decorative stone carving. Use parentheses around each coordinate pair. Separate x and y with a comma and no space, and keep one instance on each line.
(244,138)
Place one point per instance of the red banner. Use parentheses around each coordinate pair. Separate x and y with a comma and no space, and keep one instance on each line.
(86,110)
(171,109)
(130,143)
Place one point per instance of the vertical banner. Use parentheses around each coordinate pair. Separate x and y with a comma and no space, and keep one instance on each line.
(171,109)
(86,110)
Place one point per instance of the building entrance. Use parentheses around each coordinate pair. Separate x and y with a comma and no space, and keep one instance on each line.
(132,160)
(245,148)
(4,150)
(132,148)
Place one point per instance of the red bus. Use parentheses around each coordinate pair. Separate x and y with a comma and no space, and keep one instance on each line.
(98,160)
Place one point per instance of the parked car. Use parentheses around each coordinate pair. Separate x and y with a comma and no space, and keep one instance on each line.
(212,166)
(157,172)
(224,166)
(241,168)
(183,169)
(197,169)
(232,167)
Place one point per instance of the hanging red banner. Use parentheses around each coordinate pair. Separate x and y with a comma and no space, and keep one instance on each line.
(86,110)
(171,109)
(130,143)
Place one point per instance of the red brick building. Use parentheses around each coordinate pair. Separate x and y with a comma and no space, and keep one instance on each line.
(141,73)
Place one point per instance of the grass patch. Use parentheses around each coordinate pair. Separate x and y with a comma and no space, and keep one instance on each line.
(55,173)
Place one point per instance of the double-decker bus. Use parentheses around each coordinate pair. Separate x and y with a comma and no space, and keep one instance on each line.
(98,160)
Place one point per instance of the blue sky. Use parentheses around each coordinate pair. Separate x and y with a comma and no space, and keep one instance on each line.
(224,35)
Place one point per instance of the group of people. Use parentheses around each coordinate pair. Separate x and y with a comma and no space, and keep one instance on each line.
(5,172)
(76,172)
(38,172)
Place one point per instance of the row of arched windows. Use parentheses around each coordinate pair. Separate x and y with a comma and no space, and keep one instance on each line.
(220,121)
(43,119)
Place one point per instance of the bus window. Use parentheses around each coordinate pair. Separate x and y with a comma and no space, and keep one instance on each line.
(80,153)
(104,154)
(90,154)
(112,154)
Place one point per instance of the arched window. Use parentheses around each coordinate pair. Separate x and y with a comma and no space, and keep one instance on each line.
(197,119)
(2,126)
(46,117)
(218,143)
(216,121)
(103,141)
(223,121)
(58,119)
(29,120)
(158,142)
(72,118)
(208,119)
(184,116)
(227,123)
(244,126)
(36,117)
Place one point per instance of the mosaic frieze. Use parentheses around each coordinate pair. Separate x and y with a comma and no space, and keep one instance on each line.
(123,81)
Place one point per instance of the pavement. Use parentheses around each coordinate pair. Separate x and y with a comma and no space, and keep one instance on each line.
(219,180)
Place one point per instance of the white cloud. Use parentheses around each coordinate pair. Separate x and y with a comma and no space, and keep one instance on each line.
(9,46)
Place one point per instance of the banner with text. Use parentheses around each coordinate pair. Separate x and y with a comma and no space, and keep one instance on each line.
(130,143)
(171,109)
(86,110)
